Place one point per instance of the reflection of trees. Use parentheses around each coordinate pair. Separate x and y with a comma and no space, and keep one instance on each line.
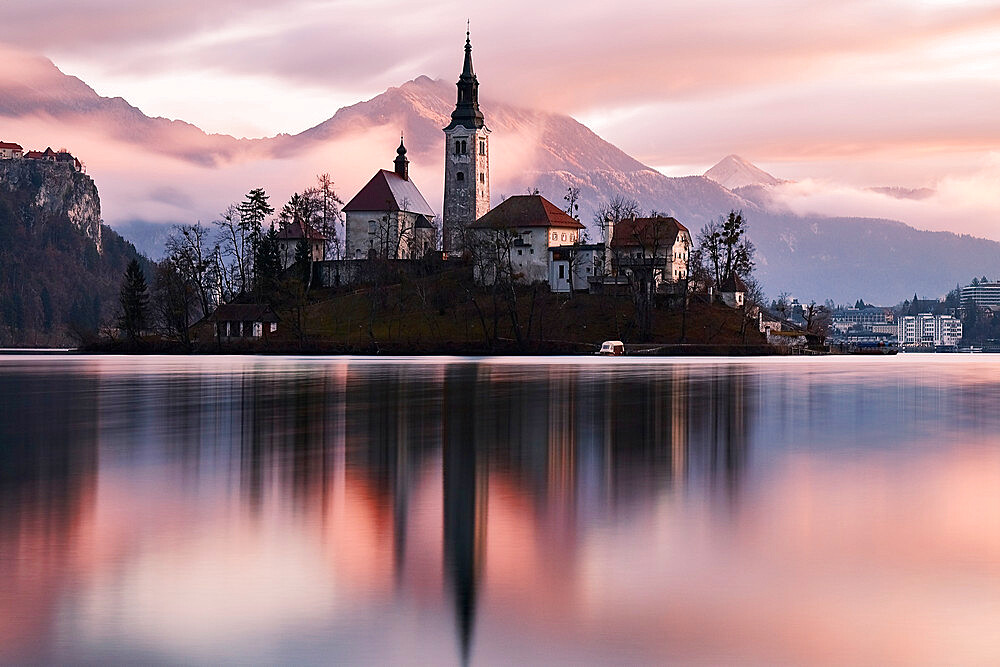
(48,460)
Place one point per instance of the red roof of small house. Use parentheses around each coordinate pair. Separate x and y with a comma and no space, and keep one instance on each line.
(300,229)
(244,312)
(733,284)
(526,211)
(8,145)
(34,155)
(388,191)
(658,232)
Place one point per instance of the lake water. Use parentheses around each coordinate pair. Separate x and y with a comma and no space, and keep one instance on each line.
(168,510)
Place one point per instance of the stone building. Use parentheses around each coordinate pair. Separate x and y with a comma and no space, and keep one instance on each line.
(291,234)
(523,229)
(389,218)
(656,250)
(466,159)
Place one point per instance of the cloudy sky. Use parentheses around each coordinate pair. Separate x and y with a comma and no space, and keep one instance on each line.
(846,88)
(837,96)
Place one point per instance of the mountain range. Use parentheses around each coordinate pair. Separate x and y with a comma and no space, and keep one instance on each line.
(154,171)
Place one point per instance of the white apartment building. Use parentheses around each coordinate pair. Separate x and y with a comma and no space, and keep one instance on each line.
(927,329)
(983,294)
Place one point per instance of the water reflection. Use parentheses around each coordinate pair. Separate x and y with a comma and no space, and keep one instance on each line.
(175,510)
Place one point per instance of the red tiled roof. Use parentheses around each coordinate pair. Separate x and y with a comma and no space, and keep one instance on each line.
(733,284)
(35,155)
(300,229)
(8,145)
(243,312)
(388,191)
(526,211)
(658,232)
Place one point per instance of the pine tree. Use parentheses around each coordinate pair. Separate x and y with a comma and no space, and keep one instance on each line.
(134,301)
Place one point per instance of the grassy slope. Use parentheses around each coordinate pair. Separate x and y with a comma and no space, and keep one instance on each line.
(442,312)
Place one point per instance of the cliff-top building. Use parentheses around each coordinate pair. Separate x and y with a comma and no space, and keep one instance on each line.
(466,159)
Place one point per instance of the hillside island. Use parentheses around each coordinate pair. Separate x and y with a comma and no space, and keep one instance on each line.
(386,274)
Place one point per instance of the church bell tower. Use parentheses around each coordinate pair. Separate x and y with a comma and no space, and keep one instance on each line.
(466,159)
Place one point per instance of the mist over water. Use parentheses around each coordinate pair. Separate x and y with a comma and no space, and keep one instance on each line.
(169,510)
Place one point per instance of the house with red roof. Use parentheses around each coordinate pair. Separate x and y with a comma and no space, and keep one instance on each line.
(389,218)
(61,156)
(9,151)
(655,250)
(292,233)
(521,234)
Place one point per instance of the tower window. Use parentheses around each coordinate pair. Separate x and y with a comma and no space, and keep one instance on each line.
(482,177)
(482,147)
(464,149)
(459,176)
(458,148)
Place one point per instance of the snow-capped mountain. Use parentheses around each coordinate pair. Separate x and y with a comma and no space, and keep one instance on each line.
(733,172)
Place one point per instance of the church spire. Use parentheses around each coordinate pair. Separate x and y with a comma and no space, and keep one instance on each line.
(467,113)
(467,68)
(401,162)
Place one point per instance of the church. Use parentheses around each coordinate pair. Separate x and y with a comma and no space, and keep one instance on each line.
(390,219)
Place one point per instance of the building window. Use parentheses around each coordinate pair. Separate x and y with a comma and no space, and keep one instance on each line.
(555,236)
(464,149)
(371,227)
(482,147)
(458,147)
(459,176)
(564,236)
(531,251)
(482,177)
(562,272)
(520,252)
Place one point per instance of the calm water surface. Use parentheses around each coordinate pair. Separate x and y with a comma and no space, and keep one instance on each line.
(500,511)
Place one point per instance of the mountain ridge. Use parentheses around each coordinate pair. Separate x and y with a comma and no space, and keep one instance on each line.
(530,149)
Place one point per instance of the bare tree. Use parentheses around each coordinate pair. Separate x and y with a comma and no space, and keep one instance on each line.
(175,299)
(608,215)
(328,206)
(234,252)
(572,207)
(726,249)
(191,252)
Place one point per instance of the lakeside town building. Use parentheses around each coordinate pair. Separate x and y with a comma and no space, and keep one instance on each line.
(927,330)
(870,318)
(981,295)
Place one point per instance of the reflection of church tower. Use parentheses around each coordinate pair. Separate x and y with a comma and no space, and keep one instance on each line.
(466,159)
(464,503)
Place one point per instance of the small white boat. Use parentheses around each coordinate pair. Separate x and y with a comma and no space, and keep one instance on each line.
(612,348)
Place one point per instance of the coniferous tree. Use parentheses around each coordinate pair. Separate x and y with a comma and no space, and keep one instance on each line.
(134,302)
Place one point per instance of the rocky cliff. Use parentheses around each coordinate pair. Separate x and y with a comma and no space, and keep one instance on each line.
(46,191)
(60,269)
